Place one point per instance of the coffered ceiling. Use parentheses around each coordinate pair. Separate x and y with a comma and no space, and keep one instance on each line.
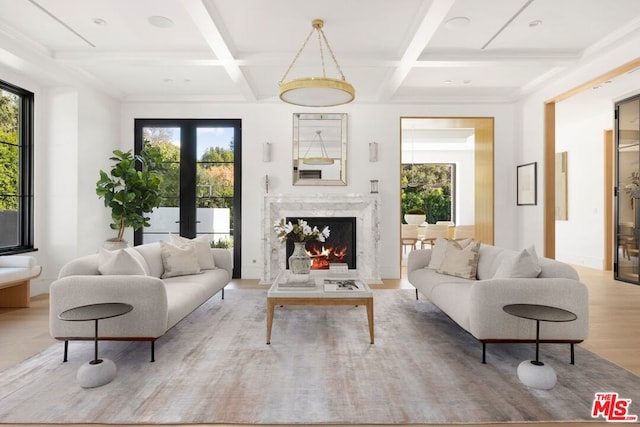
(238,50)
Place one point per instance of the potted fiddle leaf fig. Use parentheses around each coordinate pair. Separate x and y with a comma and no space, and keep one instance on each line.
(131,189)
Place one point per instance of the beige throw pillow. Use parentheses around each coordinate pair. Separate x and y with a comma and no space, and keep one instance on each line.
(119,262)
(439,249)
(460,262)
(524,264)
(178,260)
(203,249)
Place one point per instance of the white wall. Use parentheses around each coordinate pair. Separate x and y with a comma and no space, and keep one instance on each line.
(380,123)
(586,200)
(582,138)
(78,134)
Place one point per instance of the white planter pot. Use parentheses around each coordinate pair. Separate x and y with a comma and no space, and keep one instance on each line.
(415,219)
(114,245)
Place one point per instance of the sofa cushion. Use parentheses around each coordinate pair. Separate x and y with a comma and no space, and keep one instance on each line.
(522,265)
(460,262)
(119,262)
(202,246)
(151,252)
(489,259)
(425,280)
(178,260)
(186,293)
(439,249)
(143,262)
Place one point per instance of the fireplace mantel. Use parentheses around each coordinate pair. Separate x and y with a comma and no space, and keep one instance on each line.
(364,207)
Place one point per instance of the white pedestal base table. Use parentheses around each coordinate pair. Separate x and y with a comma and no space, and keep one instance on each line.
(97,372)
(534,373)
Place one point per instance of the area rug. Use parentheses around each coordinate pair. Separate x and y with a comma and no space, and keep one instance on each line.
(215,367)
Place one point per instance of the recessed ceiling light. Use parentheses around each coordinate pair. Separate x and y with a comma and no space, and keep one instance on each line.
(535,23)
(457,23)
(99,21)
(447,82)
(466,82)
(160,21)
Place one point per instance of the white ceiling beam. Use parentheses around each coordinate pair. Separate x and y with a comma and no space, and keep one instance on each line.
(205,24)
(433,18)
(34,60)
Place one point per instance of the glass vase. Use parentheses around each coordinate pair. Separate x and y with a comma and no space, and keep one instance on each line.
(299,261)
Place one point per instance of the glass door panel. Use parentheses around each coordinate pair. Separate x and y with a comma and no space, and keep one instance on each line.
(166,218)
(215,184)
(628,194)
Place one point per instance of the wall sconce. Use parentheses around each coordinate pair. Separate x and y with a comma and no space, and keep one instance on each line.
(373,151)
(374,186)
(266,151)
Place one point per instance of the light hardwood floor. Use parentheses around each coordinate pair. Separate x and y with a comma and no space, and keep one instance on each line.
(613,328)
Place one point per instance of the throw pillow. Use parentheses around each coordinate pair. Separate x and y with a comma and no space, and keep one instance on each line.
(178,260)
(439,249)
(524,264)
(203,249)
(459,261)
(119,262)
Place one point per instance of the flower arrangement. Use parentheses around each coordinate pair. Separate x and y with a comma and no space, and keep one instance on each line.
(299,232)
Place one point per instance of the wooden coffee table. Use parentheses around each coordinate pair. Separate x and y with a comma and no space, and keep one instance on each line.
(316,295)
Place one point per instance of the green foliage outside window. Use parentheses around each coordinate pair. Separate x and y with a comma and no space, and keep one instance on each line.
(214,177)
(9,153)
(427,187)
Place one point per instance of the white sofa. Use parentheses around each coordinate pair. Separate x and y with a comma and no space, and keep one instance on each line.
(158,303)
(476,305)
(16,273)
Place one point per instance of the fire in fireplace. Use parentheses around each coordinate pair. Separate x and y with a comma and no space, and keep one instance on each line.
(340,247)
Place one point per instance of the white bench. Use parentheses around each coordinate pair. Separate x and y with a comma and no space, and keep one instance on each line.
(16,273)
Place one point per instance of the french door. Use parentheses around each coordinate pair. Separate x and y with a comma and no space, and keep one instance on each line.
(201,189)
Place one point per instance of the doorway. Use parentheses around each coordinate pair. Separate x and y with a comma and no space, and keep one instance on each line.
(201,189)
(482,181)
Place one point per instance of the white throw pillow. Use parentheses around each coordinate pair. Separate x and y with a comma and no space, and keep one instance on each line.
(203,249)
(459,261)
(178,260)
(439,249)
(524,264)
(119,262)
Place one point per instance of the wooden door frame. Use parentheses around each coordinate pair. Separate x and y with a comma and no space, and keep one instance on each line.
(550,150)
(609,182)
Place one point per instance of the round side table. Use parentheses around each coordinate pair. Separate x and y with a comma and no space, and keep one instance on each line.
(534,373)
(97,372)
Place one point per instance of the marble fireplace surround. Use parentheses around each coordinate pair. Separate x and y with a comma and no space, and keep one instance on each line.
(364,207)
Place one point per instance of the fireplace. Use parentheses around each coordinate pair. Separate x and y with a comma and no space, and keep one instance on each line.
(364,207)
(339,247)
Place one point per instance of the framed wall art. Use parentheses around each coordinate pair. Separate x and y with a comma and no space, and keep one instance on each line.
(526,184)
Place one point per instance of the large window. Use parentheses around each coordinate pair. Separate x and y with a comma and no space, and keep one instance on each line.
(16,168)
(429,187)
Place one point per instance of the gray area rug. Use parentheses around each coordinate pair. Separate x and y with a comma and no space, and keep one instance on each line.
(214,367)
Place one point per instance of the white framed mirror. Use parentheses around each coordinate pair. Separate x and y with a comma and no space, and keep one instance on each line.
(319,149)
